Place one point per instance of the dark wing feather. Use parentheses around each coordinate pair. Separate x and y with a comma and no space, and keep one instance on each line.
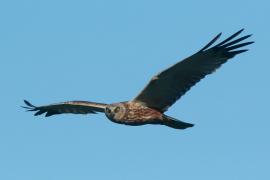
(168,86)
(74,107)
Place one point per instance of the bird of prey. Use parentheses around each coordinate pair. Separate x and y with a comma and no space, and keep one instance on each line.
(163,90)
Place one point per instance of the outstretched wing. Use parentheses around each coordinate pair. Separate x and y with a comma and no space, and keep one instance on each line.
(74,107)
(168,86)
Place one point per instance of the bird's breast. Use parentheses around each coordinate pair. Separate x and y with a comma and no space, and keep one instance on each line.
(135,113)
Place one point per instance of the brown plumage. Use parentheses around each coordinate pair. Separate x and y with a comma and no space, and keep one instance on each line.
(161,92)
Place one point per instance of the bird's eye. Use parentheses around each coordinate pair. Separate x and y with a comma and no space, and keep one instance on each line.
(108,110)
(117,109)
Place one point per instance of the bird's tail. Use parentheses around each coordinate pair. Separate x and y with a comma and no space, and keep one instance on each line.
(175,123)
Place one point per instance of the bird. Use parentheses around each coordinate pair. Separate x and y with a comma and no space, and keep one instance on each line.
(162,91)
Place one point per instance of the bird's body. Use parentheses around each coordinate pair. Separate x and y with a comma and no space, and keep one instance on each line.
(132,114)
(163,90)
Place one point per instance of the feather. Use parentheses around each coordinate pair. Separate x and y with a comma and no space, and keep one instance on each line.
(211,42)
(231,37)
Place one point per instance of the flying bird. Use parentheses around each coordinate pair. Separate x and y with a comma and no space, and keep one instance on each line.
(163,90)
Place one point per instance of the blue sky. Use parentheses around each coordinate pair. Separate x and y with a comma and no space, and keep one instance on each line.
(106,51)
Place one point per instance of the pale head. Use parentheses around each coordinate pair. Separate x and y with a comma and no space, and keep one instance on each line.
(116,111)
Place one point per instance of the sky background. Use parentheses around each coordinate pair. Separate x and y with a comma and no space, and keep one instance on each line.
(106,51)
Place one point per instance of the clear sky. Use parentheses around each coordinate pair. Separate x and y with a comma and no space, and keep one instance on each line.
(106,51)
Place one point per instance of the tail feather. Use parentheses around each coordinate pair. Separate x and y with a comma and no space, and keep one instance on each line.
(174,123)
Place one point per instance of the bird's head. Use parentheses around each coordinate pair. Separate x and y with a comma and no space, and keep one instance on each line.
(115,112)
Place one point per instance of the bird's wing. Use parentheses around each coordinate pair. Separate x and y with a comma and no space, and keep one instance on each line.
(74,107)
(167,87)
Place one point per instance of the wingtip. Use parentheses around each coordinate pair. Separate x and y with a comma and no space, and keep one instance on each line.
(211,42)
(219,35)
(238,32)
(26,108)
(190,125)
(241,30)
(28,103)
(233,53)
